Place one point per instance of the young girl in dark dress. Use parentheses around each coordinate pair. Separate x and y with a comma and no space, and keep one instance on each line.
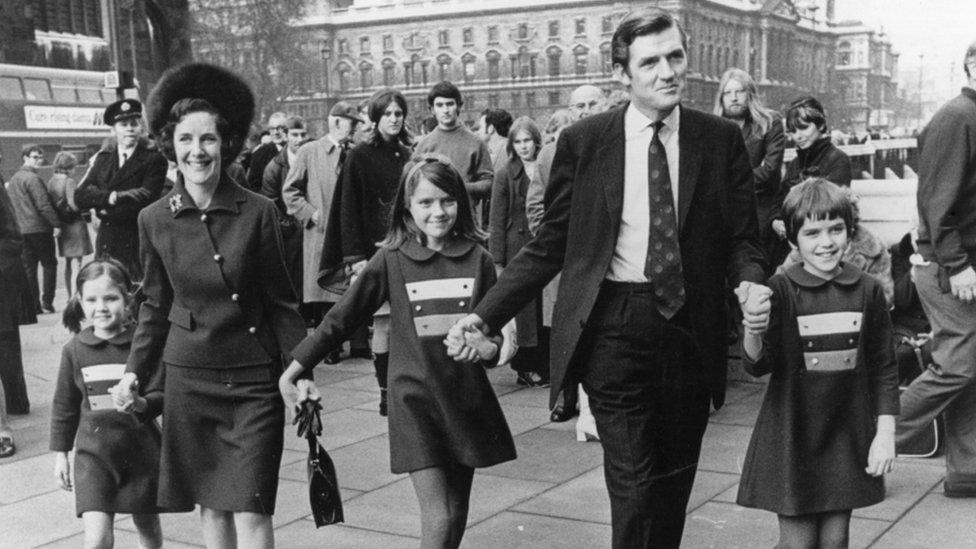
(116,465)
(825,433)
(444,417)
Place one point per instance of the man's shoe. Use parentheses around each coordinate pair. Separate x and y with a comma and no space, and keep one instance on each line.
(332,358)
(364,352)
(384,403)
(561,413)
(965,491)
(47,307)
(530,379)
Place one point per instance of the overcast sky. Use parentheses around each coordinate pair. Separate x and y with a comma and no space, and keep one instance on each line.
(938,29)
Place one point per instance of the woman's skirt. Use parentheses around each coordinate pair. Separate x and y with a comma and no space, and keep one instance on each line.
(222,438)
(75,240)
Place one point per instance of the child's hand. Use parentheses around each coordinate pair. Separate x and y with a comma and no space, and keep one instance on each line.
(62,470)
(881,456)
(124,397)
(509,343)
(754,299)
(485,348)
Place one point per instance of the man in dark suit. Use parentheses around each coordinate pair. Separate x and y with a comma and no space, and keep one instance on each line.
(645,329)
(263,155)
(121,181)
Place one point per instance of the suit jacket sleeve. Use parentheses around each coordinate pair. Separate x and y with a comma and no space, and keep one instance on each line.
(294,192)
(479,184)
(270,186)
(498,216)
(944,169)
(280,300)
(767,174)
(150,335)
(542,258)
(357,305)
(745,260)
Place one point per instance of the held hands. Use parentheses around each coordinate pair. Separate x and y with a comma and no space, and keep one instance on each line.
(881,456)
(754,300)
(963,285)
(124,393)
(295,391)
(62,470)
(509,343)
(460,334)
(779,227)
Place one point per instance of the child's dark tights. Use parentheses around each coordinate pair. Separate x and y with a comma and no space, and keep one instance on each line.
(443,494)
(815,531)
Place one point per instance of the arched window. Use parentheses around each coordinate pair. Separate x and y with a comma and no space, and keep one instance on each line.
(389,72)
(606,58)
(580,55)
(553,54)
(526,63)
(345,74)
(467,63)
(494,62)
(844,53)
(366,75)
(444,67)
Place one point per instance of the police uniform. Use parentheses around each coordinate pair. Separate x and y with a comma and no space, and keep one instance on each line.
(137,183)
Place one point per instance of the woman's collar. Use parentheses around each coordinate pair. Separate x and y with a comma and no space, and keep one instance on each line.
(88,337)
(227,196)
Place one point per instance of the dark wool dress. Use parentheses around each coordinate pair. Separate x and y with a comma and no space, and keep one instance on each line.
(441,412)
(116,466)
(830,354)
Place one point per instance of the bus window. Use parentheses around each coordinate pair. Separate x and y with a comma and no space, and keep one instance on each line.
(89,95)
(10,88)
(108,96)
(64,94)
(37,89)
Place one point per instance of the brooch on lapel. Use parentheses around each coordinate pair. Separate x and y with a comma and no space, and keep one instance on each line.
(175,202)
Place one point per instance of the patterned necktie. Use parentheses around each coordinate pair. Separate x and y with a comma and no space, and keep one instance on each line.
(663,266)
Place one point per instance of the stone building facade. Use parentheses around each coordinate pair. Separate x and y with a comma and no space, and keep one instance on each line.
(866,79)
(527,55)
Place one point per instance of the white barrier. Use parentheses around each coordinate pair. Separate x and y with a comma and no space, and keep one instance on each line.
(887,206)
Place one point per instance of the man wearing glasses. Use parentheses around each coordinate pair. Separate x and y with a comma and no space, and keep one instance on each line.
(38,223)
(263,155)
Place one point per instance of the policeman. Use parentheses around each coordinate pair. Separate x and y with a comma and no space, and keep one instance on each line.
(123,177)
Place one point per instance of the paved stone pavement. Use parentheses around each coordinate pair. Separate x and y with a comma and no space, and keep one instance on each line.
(553,496)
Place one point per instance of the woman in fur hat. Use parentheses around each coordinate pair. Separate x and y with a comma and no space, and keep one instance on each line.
(219,314)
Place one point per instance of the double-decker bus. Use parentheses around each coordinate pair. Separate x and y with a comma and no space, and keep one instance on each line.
(58,109)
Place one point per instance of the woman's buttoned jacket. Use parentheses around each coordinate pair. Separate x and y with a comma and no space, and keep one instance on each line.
(217,291)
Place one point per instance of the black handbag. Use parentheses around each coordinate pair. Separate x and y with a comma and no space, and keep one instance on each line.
(323,488)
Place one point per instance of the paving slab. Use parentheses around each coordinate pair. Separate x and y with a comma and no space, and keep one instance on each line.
(27,478)
(361,466)
(549,456)
(729,526)
(742,413)
(39,520)
(526,397)
(521,530)
(522,419)
(303,535)
(340,429)
(709,484)
(724,448)
(904,488)
(326,375)
(936,521)
(335,399)
(123,539)
(737,391)
(393,508)
(583,498)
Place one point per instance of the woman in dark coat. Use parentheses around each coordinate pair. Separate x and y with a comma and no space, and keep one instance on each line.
(17,307)
(816,156)
(509,225)
(370,176)
(219,314)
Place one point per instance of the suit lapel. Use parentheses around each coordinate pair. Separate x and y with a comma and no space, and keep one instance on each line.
(609,166)
(689,162)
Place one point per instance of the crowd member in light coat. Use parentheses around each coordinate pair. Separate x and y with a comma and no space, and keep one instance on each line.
(308,196)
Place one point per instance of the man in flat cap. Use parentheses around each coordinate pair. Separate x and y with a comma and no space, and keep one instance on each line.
(123,178)
(308,194)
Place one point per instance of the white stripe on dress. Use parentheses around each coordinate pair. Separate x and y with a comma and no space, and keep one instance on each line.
(828,323)
(442,288)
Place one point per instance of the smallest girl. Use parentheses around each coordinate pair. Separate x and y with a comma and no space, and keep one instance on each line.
(444,417)
(825,434)
(116,463)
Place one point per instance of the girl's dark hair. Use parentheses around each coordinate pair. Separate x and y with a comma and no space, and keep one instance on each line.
(816,199)
(805,111)
(442,174)
(523,123)
(377,106)
(115,271)
(228,142)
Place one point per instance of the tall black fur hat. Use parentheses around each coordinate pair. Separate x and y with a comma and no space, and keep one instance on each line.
(225,90)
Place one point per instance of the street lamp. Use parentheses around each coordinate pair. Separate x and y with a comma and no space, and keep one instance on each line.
(326,53)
